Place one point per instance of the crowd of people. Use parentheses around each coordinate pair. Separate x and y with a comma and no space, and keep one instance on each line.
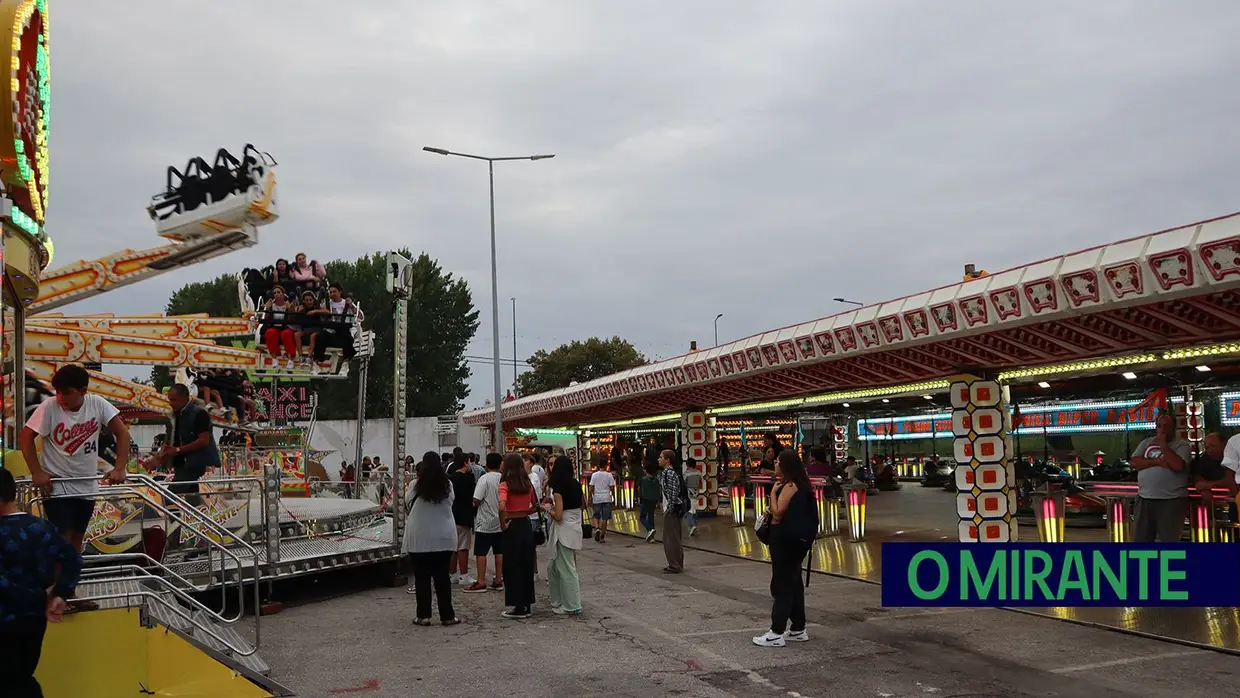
(301,315)
(225,391)
(503,511)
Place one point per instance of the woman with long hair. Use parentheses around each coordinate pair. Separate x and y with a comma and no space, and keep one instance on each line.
(430,540)
(517,501)
(794,525)
(565,539)
(276,330)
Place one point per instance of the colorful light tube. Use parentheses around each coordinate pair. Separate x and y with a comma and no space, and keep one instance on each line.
(761,490)
(1201,516)
(856,514)
(736,498)
(1119,520)
(828,511)
(1048,510)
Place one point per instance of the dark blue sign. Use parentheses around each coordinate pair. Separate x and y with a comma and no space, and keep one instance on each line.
(1060,574)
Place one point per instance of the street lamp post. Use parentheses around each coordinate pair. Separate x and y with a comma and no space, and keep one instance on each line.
(499,398)
(514,346)
(717,328)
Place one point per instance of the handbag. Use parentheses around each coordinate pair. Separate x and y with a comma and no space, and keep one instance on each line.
(587,525)
(762,528)
(540,531)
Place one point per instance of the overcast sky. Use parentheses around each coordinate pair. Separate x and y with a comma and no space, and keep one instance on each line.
(752,159)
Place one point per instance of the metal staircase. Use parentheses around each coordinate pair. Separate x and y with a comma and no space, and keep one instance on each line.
(181,595)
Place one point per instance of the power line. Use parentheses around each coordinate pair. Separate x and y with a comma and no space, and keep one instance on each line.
(488,359)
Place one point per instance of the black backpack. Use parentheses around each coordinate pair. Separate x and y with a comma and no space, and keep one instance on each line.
(800,523)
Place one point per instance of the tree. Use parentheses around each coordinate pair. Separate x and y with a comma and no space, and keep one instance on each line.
(442,321)
(578,361)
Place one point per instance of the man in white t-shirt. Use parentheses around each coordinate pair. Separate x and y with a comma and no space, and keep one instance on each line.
(601,483)
(70,425)
(487,536)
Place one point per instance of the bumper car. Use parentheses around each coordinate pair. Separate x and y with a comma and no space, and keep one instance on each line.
(938,474)
(1081,509)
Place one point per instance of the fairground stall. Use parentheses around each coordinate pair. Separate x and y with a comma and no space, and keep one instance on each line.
(973,371)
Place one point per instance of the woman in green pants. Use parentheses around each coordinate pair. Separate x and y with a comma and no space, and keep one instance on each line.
(565,539)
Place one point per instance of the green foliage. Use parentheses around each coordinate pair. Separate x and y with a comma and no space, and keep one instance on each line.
(578,361)
(442,321)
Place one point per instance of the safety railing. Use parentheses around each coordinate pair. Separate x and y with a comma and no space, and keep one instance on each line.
(1119,499)
(174,513)
(141,574)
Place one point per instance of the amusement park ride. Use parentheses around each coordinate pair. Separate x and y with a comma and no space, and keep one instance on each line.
(259,517)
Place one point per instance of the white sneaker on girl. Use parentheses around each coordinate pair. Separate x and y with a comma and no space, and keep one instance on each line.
(770,639)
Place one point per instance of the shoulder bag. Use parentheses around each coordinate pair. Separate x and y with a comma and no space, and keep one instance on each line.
(540,531)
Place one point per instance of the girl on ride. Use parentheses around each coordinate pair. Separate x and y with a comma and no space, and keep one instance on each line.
(276,330)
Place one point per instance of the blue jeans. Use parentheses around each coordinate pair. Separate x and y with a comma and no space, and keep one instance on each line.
(647,514)
(690,510)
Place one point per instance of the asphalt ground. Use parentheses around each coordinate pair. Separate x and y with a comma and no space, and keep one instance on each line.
(644,633)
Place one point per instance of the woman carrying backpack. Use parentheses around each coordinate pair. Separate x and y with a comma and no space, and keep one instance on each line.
(794,525)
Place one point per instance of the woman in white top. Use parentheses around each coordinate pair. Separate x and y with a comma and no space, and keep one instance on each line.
(565,539)
(430,540)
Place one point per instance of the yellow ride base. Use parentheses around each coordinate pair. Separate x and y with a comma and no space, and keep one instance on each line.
(108,653)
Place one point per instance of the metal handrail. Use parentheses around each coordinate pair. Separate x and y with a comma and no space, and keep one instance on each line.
(223,532)
(105,557)
(185,506)
(123,490)
(179,593)
(177,610)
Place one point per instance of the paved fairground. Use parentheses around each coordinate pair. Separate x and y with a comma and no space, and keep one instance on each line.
(644,633)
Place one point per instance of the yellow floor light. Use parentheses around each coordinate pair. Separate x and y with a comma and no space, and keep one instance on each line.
(856,514)
(1048,508)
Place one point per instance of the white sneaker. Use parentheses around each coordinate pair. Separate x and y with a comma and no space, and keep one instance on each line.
(692,531)
(770,639)
(466,580)
(798,636)
(650,536)
(455,578)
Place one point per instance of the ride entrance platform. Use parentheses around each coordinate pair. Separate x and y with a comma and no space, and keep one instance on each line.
(923,515)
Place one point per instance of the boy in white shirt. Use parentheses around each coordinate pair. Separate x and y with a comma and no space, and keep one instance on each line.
(601,483)
(70,424)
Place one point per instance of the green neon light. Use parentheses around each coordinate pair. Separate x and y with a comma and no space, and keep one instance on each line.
(547,432)
(26,223)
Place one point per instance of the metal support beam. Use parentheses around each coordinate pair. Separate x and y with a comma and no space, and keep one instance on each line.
(360,430)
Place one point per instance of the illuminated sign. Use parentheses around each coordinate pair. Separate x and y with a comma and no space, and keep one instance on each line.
(23,143)
(938,426)
(288,402)
(1229,406)
(1064,418)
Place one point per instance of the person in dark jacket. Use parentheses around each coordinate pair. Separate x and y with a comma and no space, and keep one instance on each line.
(193,448)
(463,482)
(32,551)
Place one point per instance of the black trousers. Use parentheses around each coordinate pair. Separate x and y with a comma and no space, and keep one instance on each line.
(786,586)
(21,643)
(519,563)
(431,568)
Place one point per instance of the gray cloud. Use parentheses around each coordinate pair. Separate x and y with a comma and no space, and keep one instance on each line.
(754,159)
